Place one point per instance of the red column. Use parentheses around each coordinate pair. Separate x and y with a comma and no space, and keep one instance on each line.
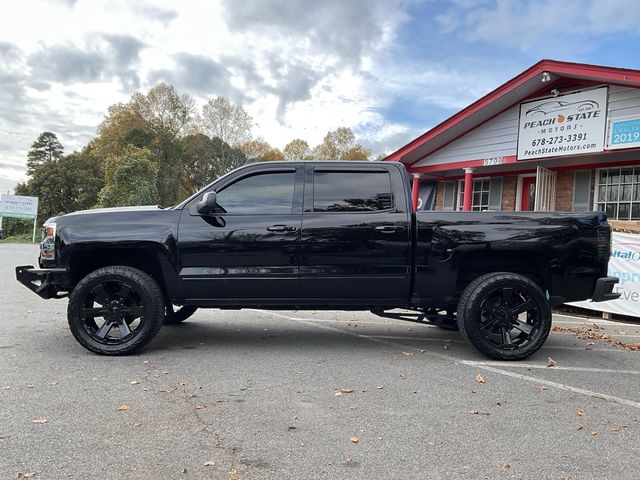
(468,189)
(415,190)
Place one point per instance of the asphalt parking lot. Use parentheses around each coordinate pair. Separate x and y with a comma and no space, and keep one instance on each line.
(254,395)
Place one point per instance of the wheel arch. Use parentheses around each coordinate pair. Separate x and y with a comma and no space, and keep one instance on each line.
(147,257)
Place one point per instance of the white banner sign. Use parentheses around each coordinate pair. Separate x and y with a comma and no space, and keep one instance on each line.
(624,264)
(565,125)
(18,206)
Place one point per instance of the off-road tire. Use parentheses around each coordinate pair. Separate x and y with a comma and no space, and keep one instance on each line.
(147,291)
(470,311)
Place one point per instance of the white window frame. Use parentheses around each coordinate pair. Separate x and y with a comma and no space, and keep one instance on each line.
(460,197)
(596,190)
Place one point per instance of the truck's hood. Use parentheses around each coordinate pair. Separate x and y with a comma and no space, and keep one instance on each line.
(99,211)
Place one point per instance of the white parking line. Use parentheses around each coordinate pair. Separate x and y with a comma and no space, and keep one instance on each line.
(560,386)
(468,363)
(555,367)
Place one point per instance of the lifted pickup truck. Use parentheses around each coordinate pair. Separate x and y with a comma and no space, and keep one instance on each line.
(319,235)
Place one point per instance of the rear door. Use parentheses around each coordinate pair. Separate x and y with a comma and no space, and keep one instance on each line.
(248,249)
(355,241)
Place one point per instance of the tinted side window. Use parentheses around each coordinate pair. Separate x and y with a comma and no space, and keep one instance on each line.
(351,191)
(263,193)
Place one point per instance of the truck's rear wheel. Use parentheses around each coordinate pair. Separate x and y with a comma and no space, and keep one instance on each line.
(504,315)
(174,316)
(115,310)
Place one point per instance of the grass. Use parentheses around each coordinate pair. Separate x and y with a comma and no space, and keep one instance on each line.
(21,238)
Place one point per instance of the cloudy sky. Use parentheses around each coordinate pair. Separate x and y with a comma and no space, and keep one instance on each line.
(389,69)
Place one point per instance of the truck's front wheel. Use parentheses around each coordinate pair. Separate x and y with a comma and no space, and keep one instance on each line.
(115,310)
(504,315)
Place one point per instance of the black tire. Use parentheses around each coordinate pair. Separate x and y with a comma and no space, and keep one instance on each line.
(496,305)
(174,317)
(115,296)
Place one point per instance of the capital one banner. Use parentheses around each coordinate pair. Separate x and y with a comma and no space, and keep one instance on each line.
(624,264)
(565,125)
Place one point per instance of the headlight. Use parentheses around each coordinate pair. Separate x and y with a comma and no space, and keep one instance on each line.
(48,245)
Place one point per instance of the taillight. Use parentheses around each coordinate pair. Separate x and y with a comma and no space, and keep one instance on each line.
(603,242)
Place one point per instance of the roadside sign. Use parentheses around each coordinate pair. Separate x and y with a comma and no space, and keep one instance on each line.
(18,206)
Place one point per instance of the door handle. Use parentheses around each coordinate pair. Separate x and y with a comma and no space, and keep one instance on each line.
(387,228)
(281,229)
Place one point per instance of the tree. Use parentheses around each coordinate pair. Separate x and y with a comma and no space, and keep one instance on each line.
(164,109)
(340,144)
(297,149)
(206,159)
(231,123)
(130,179)
(47,147)
(258,150)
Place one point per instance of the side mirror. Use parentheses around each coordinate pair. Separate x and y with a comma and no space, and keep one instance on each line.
(208,203)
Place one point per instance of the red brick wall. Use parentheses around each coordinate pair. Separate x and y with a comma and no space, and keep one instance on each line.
(509,187)
(564,191)
(439,196)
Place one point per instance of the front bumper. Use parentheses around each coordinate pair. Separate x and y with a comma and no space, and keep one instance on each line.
(604,289)
(42,281)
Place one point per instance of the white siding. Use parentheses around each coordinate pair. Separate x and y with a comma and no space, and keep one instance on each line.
(499,136)
(623,101)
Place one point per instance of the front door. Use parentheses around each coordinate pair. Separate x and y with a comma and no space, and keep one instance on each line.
(248,248)
(528,200)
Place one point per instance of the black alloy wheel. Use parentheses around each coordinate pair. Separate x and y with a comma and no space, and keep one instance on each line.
(504,315)
(115,310)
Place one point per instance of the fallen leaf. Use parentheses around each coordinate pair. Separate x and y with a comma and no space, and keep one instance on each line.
(54,383)
(353,407)
(593,433)
(551,362)
(403,375)
(615,429)
(40,421)
(135,382)
(210,463)
(446,346)
(233,474)
(291,428)
(506,466)
(408,354)
(380,386)
(345,390)
(199,406)
(300,391)
(579,428)
(541,387)
(29,386)
(581,413)
(182,382)
(124,408)
(480,378)
(354,439)
(301,444)
(145,361)
(25,475)
(473,412)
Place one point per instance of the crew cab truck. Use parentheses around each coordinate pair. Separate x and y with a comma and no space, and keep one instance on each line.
(319,235)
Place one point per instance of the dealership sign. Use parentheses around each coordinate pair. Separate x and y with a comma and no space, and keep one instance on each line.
(18,206)
(564,125)
(624,133)
(624,264)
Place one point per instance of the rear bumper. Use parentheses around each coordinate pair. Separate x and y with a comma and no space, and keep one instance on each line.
(604,289)
(41,281)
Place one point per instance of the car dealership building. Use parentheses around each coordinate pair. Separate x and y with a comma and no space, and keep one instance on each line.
(559,136)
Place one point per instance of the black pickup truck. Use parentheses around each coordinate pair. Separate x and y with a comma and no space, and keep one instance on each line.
(319,235)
